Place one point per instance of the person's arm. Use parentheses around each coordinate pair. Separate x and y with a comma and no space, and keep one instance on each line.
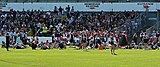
(115,41)
(108,41)
(80,40)
(142,39)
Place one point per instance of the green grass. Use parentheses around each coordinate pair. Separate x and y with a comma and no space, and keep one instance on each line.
(78,58)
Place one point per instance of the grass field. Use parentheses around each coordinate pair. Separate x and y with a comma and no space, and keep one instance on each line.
(79,58)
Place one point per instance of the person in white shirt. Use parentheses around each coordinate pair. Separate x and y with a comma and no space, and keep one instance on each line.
(112,42)
(15,35)
(84,40)
(77,41)
(145,41)
(38,25)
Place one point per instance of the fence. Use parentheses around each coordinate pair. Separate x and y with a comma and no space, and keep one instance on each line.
(151,29)
(131,26)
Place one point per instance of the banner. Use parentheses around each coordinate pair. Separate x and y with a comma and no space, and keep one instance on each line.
(85,7)
(92,5)
(2,5)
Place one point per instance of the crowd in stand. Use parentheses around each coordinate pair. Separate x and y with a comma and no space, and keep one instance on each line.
(66,27)
(42,23)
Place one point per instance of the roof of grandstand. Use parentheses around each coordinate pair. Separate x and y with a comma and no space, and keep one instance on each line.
(79,0)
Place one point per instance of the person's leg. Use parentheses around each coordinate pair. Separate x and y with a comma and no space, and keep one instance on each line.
(32,46)
(82,46)
(95,45)
(79,45)
(7,47)
(70,45)
(111,49)
(3,46)
(14,39)
(145,46)
(60,46)
(90,45)
(85,46)
(49,46)
(157,47)
(114,50)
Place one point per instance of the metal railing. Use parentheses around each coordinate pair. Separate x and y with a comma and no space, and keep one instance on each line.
(151,29)
(131,27)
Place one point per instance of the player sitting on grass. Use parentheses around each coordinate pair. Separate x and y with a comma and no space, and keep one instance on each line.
(3,44)
(20,46)
(34,44)
(84,41)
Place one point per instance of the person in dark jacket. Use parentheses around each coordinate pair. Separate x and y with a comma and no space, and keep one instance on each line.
(34,44)
(7,41)
(124,40)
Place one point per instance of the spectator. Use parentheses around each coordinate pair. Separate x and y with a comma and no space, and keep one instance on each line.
(146,40)
(3,44)
(60,9)
(158,42)
(34,44)
(69,23)
(135,38)
(55,9)
(15,35)
(68,9)
(124,39)
(72,10)
(8,41)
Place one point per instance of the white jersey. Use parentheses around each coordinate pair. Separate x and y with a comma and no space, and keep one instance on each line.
(109,40)
(77,40)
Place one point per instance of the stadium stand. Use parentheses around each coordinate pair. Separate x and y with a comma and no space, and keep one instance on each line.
(64,22)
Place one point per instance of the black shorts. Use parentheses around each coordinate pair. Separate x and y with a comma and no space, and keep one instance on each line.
(99,43)
(84,41)
(113,44)
(53,41)
(145,40)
